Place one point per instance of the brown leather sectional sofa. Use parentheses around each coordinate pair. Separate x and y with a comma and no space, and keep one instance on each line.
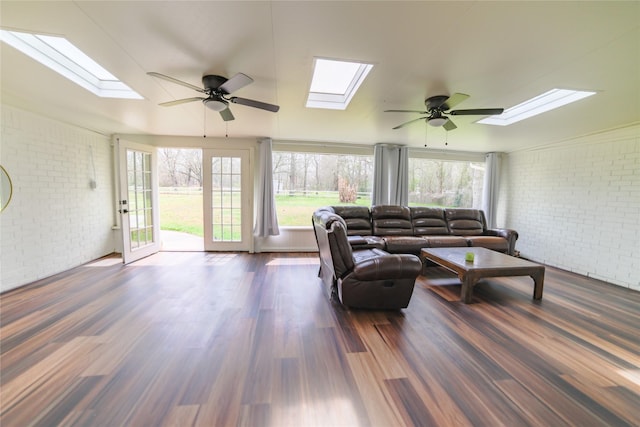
(368,256)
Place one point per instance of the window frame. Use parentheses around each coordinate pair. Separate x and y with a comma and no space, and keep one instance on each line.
(324,148)
(448,156)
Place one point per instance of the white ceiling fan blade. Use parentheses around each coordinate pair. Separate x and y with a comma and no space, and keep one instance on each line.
(409,122)
(454,100)
(255,104)
(180,101)
(176,81)
(234,83)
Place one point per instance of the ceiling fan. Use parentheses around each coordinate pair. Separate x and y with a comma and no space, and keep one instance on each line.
(438,107)
(217,89)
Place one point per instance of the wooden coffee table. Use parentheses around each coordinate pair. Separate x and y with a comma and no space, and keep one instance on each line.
(487,263)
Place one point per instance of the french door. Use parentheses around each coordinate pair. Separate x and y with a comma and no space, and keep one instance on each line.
(227,198)
(138,204)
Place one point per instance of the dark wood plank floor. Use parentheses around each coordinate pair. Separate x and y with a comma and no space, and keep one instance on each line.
(236,339)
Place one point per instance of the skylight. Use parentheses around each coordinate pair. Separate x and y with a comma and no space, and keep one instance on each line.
(547,101)
(335,82)
(63,57)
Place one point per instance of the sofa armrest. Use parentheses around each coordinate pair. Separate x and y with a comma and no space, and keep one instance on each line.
(503,232)
(366,242)
(401,266)
(510,235)
(356,240)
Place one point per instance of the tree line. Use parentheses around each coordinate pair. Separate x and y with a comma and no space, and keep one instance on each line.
(438,182)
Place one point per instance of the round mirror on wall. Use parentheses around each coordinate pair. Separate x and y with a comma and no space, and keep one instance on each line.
(6,188)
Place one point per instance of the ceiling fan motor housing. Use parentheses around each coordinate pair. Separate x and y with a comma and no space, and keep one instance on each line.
(437,102)
(212,82)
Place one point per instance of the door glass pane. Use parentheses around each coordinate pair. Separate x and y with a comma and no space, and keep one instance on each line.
(226,208)
(140,202)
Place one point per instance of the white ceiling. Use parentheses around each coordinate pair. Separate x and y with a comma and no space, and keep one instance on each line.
(500,53)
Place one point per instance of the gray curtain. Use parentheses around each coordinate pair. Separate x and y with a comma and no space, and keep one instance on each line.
(401,194)
(380,192)
(491,187)
(390,175)
(266,218)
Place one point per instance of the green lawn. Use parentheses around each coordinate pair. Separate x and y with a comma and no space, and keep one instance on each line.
(297,210)
(183,212)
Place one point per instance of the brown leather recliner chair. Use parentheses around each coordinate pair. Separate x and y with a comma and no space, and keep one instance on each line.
(364,278)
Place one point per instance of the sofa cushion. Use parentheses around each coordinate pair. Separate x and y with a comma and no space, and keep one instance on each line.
(404,244)
(365,254)
(357,219)
(445,241)
(380,283)
(391,220)
(499,244)
(366,242)
(428,221)
(465,222)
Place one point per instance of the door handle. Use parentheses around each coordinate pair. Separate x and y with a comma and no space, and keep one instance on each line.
(124,210)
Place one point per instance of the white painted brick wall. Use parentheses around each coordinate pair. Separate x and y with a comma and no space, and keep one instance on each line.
(576,206)
(55,221)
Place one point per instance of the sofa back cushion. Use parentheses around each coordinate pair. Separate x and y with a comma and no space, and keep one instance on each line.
(391,220)
(465,222)
(357,218)
(336,256)
(341,252)
(428,221)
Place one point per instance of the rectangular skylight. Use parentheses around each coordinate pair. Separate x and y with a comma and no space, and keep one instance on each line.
(64,58)
(547,101)
(335,82)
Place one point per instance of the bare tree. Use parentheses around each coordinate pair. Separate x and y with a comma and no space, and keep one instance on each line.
(292,173)
(191,167)
(169,158)
(316,164)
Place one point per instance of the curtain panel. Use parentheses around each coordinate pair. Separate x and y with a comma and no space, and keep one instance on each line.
(491,187)
(390,175)
(266,217)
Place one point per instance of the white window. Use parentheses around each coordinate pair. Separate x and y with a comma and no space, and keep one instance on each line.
(550,100)
(63,57)
(335,82)
(446,183)
(305,181)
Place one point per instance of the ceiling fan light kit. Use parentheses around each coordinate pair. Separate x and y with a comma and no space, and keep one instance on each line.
(437,121)
(216,104)
(438,107)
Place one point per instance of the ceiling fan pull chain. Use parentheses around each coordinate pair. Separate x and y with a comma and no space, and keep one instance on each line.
(426,133)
